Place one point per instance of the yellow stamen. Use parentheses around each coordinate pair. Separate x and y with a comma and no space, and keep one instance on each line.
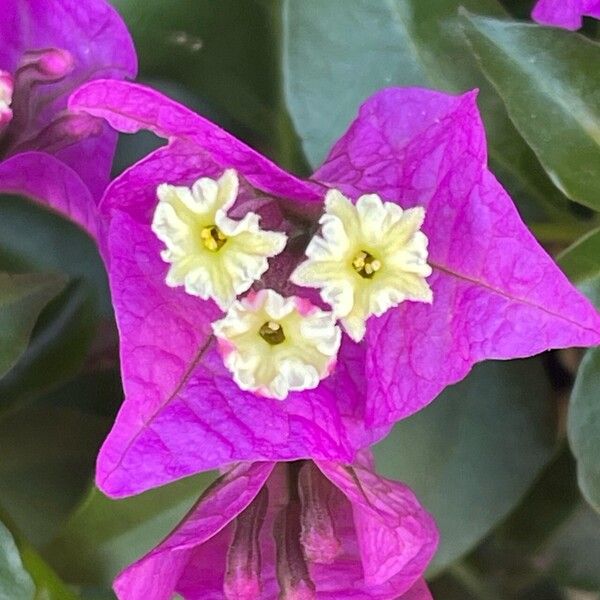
(272,333)
(212,238)
(365,264)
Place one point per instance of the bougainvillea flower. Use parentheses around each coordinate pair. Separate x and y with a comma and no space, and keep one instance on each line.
(567,14)
(496,294)
(213,255)
(47,49)
(292,531)
(370,258)
(273,344)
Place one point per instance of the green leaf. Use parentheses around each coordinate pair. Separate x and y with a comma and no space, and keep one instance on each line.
(472,454)
(547,505)
(225,53)
(584,426)
(581,263)
(15,582)
(24,575)
(35,239)
(22,298)
(48,457)
(338,53)
(572,555)
(549,80)
(57,350)
(103,535)
(47,583)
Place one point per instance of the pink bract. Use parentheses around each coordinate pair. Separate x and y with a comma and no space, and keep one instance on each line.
(47,49)
(497,294)
(374,539)
(567,14)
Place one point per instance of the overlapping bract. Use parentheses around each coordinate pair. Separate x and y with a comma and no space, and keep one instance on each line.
(249,536)
(496,293)
(565,13)
(47,49)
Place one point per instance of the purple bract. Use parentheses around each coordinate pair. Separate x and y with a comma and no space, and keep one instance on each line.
(47,49)
(294,531)
(567,14)
(496,293)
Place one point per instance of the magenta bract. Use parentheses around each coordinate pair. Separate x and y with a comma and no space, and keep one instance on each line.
(567,14)
(47,49)
(497,294)
(301,529)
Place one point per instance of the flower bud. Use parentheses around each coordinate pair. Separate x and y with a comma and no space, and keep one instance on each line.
(47,65)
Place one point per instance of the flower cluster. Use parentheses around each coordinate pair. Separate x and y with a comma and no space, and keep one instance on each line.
(275,326)
(403,222)
(371,257)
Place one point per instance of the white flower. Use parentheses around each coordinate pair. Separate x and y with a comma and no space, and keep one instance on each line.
(368,258)
(273,345)
(212,255)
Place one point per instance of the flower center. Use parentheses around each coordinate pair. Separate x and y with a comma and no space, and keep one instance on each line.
(213,238)
(365,264)
(272,333)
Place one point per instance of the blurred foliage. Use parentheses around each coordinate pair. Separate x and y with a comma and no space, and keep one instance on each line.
(473,453)
(489,457)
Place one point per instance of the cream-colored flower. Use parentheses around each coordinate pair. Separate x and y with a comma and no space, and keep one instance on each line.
(273,345)
(368,258)
(212,255)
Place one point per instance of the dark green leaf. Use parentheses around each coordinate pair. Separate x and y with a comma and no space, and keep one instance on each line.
(472,454)
(547,505)
(550,82)
(225,53)
(35,239)
(48,585)
(572,555)
(581,263)
(22,298)
(58,348)
(15,582)
(584,426)
(48,457)
(338,53)
(103,535)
